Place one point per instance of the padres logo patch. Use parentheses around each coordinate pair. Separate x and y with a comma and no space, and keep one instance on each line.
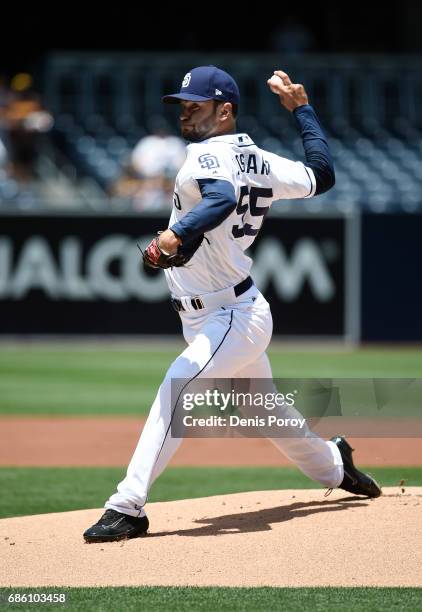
(208,161)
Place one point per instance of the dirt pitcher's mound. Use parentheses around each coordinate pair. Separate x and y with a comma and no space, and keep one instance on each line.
(276,538)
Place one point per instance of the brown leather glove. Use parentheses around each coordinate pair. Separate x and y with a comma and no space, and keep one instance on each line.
(155,257)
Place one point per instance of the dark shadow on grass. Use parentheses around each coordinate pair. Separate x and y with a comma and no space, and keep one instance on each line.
(261,520)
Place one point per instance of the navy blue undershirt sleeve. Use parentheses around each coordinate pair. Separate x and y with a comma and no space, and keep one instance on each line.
(218,201)
(315,144)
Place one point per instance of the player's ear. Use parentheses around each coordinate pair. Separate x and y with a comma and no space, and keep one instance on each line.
(225,110)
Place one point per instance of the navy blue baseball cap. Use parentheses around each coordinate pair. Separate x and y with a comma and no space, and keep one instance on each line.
(206,83)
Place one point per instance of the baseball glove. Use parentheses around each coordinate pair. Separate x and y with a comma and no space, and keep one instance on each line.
(155,257)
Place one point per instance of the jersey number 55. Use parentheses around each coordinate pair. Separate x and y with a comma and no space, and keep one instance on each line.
(249,210)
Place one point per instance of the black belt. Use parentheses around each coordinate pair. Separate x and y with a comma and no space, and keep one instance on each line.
(197,303)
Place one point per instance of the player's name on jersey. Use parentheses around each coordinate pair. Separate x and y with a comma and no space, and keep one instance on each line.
(248,163)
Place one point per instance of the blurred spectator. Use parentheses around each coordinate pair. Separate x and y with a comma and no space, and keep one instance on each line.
(30,177)
(24,123)
(152,169)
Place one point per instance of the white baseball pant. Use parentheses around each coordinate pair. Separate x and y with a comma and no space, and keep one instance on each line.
(223,342)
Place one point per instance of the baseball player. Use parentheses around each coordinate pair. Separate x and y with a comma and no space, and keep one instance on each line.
(222,194)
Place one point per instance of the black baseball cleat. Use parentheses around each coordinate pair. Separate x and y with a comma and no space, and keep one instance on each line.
(354,481)
(114,526)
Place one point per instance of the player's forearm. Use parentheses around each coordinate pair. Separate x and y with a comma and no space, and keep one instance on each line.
(315,144)
(218,202)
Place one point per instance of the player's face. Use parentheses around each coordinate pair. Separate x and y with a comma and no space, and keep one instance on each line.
(198,120)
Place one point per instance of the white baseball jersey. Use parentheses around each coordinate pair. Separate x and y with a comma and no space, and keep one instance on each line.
(258,177)
(224,342)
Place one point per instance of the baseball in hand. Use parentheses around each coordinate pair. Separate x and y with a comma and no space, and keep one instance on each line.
(274,82)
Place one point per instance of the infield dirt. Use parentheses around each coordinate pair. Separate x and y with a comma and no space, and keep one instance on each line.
(265,538)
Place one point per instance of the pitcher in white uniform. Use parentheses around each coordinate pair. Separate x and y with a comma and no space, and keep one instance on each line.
(222,195)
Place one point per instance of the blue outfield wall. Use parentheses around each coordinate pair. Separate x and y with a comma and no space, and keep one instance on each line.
(326,276)
(83,275)
(391,277)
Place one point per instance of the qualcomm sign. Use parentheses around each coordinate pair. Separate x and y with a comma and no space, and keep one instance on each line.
(74,274)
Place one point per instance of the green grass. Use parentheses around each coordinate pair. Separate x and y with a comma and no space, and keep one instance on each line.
(43,490)
(186,599)
(38,380)
(111,380)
